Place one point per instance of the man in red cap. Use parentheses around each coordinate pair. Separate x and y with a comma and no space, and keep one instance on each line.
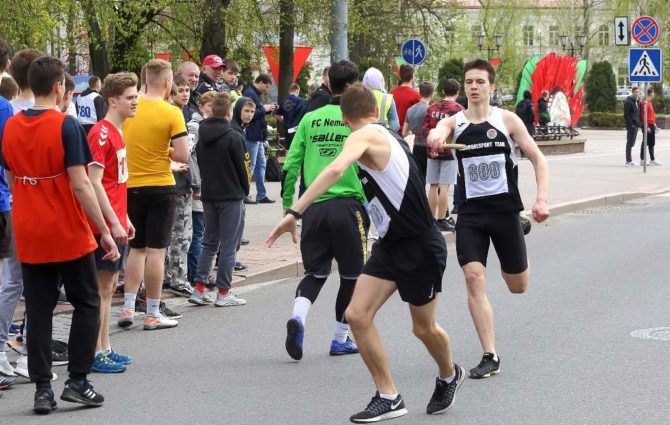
(211,76)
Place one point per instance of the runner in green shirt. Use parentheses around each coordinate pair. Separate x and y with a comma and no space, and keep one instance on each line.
(338,213)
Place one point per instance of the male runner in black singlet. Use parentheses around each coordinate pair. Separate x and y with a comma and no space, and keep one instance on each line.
(410,255)
(487,179)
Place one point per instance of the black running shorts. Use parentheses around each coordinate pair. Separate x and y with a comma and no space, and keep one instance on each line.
(473,232)
(152,211)
(415,265)
(106,265)
(334,229)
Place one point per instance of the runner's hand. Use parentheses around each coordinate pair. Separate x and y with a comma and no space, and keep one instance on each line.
(131,231)
(540,211)
(434,143)
(119,234)
(286,225)
(178,167)
(107,243)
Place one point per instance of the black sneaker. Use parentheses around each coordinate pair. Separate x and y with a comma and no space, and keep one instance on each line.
(140,304)
(380,409)
(249,201)
(445,394)
(446,225)
(526,224)
(183,290)
(81,392)
(211,282)
(486,367)
(266,200)
(44,402)
(239,267)
(59,356)
(244,242)
(165,311)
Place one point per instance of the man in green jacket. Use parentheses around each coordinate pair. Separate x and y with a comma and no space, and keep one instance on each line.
(338,214)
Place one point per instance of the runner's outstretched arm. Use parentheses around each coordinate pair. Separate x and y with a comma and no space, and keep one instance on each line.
(355,146)
(520,135)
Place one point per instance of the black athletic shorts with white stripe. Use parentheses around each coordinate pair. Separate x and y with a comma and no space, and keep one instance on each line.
(415,265)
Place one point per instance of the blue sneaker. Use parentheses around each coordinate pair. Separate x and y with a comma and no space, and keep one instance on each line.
(103,364)
(295,332)
(347,347)
(119,358)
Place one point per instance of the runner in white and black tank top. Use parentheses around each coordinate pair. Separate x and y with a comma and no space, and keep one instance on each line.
(487,167)
(397,202)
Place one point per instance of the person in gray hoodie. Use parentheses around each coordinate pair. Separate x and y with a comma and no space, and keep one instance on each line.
(225,183)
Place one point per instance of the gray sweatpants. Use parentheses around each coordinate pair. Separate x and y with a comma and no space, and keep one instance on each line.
(224,224)
(11,289)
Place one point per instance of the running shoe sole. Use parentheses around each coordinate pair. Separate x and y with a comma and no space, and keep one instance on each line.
(93,369)
(125,322)
(292,348)
(197,301)
(228,304)
(74,397)
(385,416)
(45,408)
(475,376)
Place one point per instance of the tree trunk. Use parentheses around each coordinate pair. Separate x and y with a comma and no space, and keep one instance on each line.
(214,29)
(70,41)
(286,53)
(133,24)
(96,42)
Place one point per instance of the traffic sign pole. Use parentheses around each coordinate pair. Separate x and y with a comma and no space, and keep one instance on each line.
(645,128)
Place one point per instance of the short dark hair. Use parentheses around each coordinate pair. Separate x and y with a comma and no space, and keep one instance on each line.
(263,79)
(93,81)
(650,91)
(221,105)
(43,73)
(69,82)
(426,89)
(358,102)
(20,64)
(406,72)
(451,87)
(294,87)
(8,88)
(341,74)
(5,52)
(116,84)
(231,65)
(483,65)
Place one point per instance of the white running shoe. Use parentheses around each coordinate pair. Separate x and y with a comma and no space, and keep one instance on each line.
(158,322)
(632,164)
(21,368)
(229,300)
(5,368)
(656,163)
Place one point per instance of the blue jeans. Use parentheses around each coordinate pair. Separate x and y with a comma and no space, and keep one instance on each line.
(257,157)
(196,243)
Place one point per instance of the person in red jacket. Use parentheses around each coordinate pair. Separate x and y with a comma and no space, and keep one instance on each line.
(45,154)
(651,127)
(405,95)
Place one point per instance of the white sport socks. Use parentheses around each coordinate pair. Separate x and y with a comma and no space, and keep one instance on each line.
(129,301)
(152,307)
(341,332)
(301,307)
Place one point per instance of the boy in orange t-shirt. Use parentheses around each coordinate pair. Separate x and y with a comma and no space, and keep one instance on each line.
(45,153)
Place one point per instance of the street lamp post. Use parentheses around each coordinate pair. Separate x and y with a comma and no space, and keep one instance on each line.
(497,40)
(581,41)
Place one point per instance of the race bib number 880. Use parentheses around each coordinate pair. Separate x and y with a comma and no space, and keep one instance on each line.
(485,176)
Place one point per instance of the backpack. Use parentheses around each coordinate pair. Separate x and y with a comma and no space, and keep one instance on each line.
(273,170)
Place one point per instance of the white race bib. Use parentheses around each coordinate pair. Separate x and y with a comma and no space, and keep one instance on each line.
(378,216)
(122,166)
(485,176)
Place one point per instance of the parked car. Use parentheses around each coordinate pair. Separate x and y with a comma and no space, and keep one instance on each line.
(622,94)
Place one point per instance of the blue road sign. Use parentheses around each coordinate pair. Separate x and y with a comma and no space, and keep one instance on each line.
(413,51)
(645,65)
(646,30)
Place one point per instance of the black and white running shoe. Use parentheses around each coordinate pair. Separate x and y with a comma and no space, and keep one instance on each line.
(81,392)
(44,401)
(380,409)
(487,366)
(445,393)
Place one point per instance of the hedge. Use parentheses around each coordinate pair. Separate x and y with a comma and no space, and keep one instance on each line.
(606,119)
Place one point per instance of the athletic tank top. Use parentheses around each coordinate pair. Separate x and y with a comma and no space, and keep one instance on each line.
(487,167)
(397,202)
(86,108)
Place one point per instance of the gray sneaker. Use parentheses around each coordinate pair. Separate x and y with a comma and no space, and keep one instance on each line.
(200,299)
(229,300)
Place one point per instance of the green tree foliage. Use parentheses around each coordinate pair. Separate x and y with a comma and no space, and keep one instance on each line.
(453,68)
(303,78)
(600,87)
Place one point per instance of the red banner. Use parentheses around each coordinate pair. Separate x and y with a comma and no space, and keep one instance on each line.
(495,62)
(300,56)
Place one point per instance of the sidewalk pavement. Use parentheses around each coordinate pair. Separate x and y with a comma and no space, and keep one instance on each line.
(594,178)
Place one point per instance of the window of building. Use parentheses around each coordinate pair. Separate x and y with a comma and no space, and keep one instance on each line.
(528,35)
(604,35)
(553,35)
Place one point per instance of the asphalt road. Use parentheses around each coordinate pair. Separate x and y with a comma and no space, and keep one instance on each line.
(566,349)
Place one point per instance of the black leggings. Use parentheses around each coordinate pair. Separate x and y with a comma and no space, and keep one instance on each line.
(41,283)
(310,287)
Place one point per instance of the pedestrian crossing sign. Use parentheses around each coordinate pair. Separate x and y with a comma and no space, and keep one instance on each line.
(645,65)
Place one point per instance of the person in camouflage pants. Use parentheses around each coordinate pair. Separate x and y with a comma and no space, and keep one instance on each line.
(177,252)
